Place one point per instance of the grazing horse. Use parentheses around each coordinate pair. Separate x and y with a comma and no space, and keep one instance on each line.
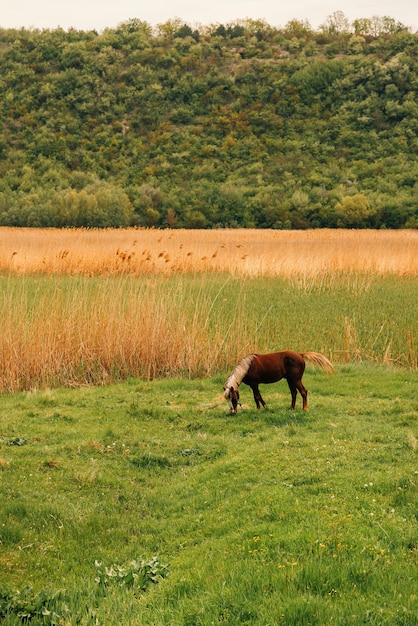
(270,368)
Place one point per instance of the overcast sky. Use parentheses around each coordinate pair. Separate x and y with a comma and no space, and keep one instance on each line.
(100,14)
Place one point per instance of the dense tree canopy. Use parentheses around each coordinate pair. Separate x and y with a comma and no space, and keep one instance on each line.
(240,125)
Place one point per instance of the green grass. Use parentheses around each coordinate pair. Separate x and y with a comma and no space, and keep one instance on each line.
(268,517)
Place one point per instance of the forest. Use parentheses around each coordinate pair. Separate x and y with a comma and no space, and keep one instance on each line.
(220,126)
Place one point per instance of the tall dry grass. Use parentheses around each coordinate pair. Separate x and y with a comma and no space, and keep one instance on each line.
(89,307)
(80,331)
(290,254)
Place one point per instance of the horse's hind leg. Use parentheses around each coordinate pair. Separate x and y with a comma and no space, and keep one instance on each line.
(294,388)
(304,393)
(293,392)
(257,397)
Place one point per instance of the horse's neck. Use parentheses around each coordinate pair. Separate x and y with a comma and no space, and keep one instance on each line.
(232,382)
(240,371)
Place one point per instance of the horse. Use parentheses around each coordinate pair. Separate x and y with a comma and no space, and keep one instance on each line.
(270,368)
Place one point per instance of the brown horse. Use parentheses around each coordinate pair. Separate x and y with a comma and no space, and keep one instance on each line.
(270,368)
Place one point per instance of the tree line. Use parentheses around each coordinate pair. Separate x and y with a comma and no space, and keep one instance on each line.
(237,125)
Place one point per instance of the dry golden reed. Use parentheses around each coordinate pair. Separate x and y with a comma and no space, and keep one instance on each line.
(81,331)
(74,312)
(135,252)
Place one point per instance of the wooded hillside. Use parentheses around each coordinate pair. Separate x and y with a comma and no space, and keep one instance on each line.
(239,125)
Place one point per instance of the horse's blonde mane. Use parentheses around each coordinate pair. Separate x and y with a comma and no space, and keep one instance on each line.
(239,372)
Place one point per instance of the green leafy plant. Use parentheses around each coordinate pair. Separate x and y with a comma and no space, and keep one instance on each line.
(51,607)
(138,575)
(13,441)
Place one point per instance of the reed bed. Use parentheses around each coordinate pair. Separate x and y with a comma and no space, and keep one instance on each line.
(83,307)
(248,253)
(78,330)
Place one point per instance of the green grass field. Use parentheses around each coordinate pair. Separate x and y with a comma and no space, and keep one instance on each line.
(266,518)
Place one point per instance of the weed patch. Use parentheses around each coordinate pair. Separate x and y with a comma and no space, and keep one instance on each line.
(49,608)
(138,575)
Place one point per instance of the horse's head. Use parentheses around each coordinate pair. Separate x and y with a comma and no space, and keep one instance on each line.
(232,395)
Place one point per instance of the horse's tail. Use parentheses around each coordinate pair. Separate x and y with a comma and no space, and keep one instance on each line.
(319,360)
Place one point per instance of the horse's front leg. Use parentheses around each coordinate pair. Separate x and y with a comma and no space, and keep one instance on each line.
(257,397)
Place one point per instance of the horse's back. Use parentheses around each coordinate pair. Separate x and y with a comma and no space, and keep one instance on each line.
(270,368)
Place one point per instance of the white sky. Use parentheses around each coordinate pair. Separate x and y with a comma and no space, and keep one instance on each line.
(100,14)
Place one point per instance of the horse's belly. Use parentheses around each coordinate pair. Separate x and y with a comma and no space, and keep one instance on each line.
(263,378)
